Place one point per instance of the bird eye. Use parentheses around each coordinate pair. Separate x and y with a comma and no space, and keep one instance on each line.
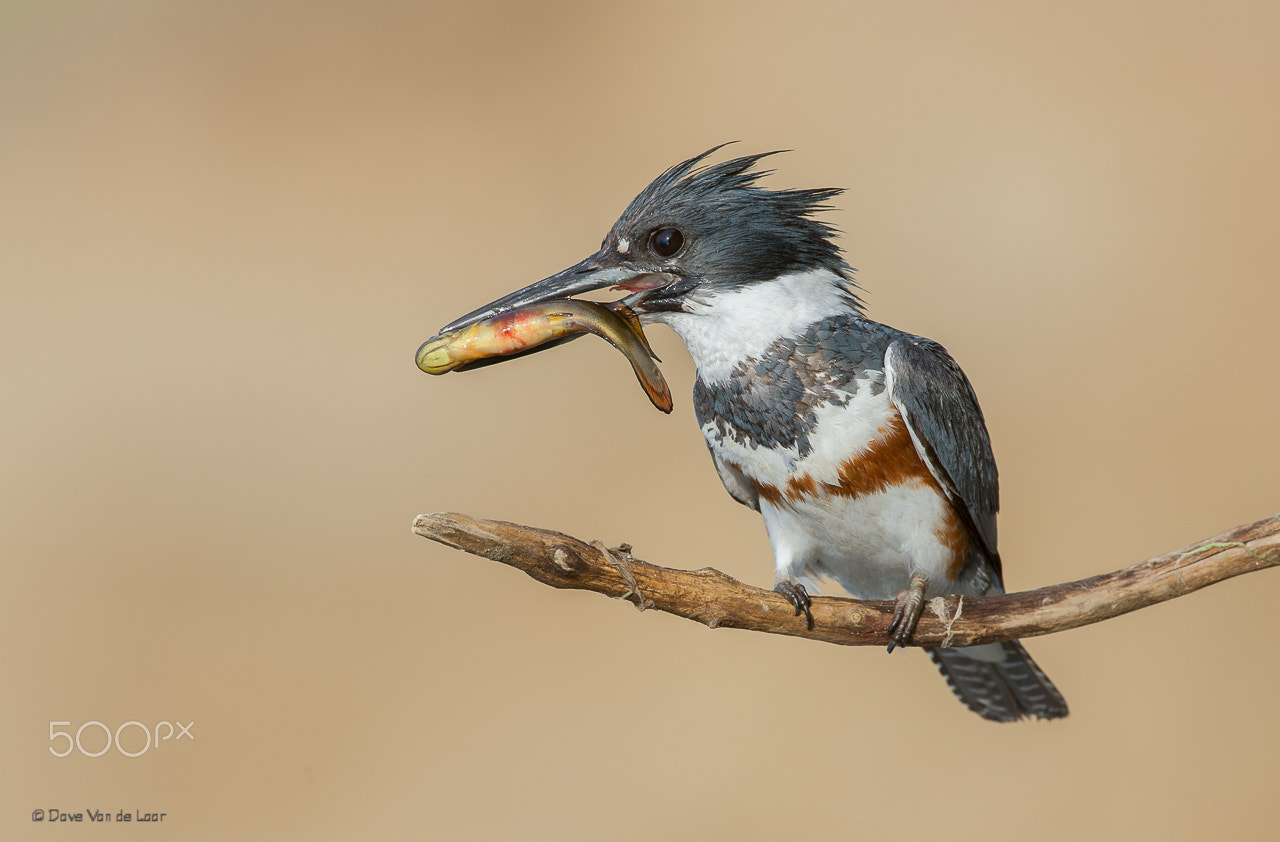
(665,242)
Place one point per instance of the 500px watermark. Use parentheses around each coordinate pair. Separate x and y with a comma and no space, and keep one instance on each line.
(138,738)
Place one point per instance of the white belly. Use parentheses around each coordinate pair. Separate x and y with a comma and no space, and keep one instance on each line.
(870,545)
(870,542)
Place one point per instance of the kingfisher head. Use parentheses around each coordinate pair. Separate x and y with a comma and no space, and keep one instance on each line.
(698,233)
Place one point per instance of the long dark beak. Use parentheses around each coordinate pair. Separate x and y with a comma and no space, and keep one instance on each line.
(586,276)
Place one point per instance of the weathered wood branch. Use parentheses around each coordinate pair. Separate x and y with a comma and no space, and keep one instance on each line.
(718,600)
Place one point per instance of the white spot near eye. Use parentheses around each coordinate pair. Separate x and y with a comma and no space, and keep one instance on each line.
(623,246)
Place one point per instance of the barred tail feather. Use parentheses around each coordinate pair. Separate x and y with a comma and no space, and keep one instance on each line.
(1000,682)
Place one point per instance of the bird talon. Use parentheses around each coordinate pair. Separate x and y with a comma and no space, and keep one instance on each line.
(799,597)
(907,611)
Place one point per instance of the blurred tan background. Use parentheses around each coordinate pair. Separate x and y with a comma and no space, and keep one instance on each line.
(226,227)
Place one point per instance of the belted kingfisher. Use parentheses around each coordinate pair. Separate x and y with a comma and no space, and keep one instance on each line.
(862,447)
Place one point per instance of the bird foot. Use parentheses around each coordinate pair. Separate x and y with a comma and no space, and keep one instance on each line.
(907,612)
(799,597)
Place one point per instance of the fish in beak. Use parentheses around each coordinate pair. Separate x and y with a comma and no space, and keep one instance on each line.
(517,329)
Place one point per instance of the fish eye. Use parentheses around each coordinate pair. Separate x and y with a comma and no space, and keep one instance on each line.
(665,242)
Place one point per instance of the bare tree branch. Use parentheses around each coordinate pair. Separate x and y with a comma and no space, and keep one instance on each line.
(712,598)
